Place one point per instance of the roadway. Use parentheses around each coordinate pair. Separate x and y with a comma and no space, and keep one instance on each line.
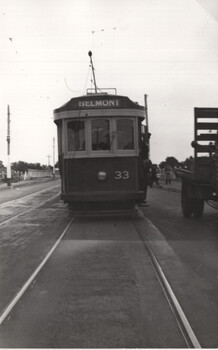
(24,188)
(98,289)
(192,266)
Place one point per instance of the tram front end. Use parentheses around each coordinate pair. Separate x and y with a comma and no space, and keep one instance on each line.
(100,161)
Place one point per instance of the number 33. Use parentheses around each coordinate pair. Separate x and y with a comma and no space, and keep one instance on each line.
(121,175)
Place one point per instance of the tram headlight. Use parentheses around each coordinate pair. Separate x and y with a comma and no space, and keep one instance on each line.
(102,175)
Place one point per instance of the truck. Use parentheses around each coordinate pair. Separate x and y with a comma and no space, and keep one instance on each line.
(200,182)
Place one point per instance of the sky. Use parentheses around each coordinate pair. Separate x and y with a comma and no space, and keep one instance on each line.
(167,49)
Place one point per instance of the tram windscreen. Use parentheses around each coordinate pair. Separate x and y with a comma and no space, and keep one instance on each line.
(125,134)
(76,135)
(100,134)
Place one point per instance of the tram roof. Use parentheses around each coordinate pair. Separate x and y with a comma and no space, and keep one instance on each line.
(99,101)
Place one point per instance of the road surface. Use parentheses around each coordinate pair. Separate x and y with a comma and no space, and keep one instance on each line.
(98,288)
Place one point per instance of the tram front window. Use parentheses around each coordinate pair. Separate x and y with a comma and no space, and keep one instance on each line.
(100,134)
(125,134)
(76,135)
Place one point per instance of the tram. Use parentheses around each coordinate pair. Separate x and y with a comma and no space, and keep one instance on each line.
(103,142)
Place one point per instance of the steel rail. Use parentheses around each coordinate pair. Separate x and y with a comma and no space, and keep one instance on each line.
(2,205)
(19,295)
(29,209)
(184,326)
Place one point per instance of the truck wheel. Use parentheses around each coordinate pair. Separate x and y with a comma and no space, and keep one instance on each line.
(187,202)
(198,207)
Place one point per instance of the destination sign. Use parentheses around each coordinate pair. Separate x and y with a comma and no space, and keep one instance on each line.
(99,103)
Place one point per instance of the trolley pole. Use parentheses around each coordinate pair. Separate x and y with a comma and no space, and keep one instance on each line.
(93,71)
(53,157)
(8,149)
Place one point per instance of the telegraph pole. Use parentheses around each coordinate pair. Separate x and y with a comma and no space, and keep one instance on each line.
(147,126)
(146,111)
(8,150)
(48,156)
(53,157)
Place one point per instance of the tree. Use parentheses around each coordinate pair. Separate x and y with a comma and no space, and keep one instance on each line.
(172,161)
(162,165)
(34,166)
(24,166)
(19,166)
(1,164)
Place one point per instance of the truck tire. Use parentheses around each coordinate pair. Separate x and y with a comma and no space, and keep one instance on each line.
(198,207)
(187,202)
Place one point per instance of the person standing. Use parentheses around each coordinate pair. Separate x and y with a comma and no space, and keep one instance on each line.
(146,165)
(154,177)
(168,171)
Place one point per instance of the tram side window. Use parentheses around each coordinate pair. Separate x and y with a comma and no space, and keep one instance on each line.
(76,135)
(125,134)
(100,134)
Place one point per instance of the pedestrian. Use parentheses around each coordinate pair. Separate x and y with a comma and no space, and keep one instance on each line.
(147,165)
(154,177)
(168,171)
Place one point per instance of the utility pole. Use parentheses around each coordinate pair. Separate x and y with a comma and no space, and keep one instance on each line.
(146,111)
(8,150)
(53,157)
(48,156)
(147,125)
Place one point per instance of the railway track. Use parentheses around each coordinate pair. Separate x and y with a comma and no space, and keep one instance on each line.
(15,208)
(180,317)
(81,233)
(30,280)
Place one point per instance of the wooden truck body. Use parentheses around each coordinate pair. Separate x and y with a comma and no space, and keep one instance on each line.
(200,183)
